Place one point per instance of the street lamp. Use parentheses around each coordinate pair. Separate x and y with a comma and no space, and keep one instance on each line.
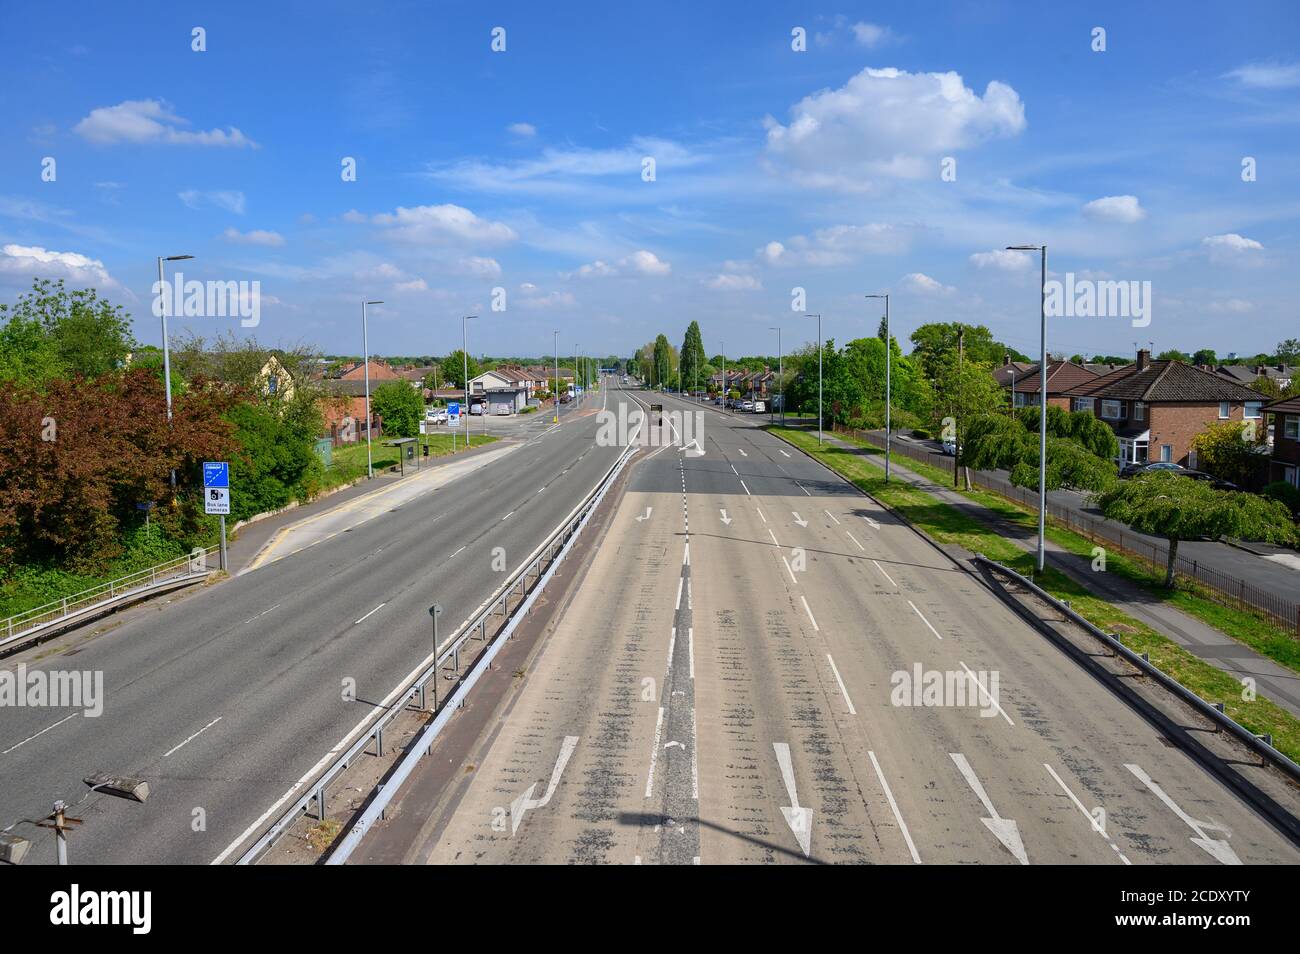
(556,395)
(780,374)
(464,353)
(1042,395)
(167,355)
(819,376)
(889,352)
(365,357)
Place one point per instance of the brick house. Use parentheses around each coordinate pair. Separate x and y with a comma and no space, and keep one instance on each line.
(1024,381)
(379,371)
(343,407)
(1156,408)
(1284,463)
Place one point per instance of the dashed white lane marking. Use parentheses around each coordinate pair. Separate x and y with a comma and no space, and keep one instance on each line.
(734,471)
(654,754)
(462,548)
(803,488)
(985,693)
(760,513)
(773,536)
(1096,825)
(893,805)
(882,571)
(41,733)
(924,620)
(835,669)
(261,614)
(194,736)
(832,516)
(855,540)
(508,516)
(686,554)
(809,610)
(371,613)
(747,493)
(794,580)
(783,452)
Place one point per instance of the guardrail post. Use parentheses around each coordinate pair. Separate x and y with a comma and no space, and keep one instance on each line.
(379,740)
(320,802)
(65,606)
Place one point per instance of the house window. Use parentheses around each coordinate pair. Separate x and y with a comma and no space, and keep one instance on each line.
(1167,453)
(272,384)
(1112,410)
(1083,404)
(1292,476)
(1225,410)
(1252,410)
(1291,428)
(1021,398)
(1139,411)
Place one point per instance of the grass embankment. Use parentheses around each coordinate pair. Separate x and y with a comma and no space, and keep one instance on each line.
(946,524)
(1256,630)
(350,462)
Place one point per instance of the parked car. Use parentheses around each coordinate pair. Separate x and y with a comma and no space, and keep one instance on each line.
(436,415)
(1215,482)
(747,405)
(950,447)
(1132,470)
(759,407)
(476,408)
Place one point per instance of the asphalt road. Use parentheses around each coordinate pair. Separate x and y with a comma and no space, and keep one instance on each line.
(223,700)
(726,686)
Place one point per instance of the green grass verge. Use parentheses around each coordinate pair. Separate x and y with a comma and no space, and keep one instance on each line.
(1256,630)
(946,524)
(350,462)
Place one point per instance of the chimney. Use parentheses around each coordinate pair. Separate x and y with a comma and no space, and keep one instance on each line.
(1143,359)
(1006,358)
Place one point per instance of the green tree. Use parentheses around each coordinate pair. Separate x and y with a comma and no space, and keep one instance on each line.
(400,406)
(933,341)
(996,441)
(1205,356)
(1173,354)
(51,332)
(692,356)
(1288,351)
(453,369)
(1176,508)
(1231,450)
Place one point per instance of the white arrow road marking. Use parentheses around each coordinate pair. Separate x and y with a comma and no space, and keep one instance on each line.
(1004,829)
(742,452)
(646,515)
(696,444)
(1096,825)
(1221,851)
(669,745)
(799,819)
(725,519)
(871,523)
(798,519)
(525,801)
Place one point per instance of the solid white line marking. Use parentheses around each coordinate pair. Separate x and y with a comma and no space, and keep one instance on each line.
(923,619)
(371,613)
(1096,826)
(686,556)
(680,583)
(809,609)
(194,736)
(654,754)
(985,692)
(41,733)
(882,570)
(832,516)
(855,540)
(893,805)
(835,669)
(672,643)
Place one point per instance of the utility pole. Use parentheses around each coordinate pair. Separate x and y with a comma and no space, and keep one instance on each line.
(889,361)
(819,376)
(1042,398)
(465,371)
(365,357)
(961,391)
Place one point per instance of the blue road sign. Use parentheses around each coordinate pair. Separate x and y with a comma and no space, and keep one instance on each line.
(453,409)
(216,474)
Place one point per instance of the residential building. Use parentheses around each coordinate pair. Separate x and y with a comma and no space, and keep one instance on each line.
(379,371)
(1026,381)
(1156,408)
(1284,462)
(1280,374)
(506,387)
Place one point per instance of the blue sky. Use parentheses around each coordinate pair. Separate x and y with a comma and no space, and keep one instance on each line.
(774,169)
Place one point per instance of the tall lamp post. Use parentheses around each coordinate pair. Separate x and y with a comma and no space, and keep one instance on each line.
(819,376)
(167,355)
(556,396)
(365,357)
(1042,394)
(780,373)
(889,353)
(465,371)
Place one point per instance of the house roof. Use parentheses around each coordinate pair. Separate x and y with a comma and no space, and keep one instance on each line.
(1062,376)
(1290,405)
(1245,373)
(1164,381)
(1004,372)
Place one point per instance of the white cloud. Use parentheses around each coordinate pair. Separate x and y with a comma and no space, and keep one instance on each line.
(888,123)
(1267,75)
(151,121)
(838,245)
(416,284)
(924,284)
(1003,259)
(1232,249)
(229,200)
(734,283)
(555,299)
(522,129)
(37,262)
(481,267)
(647,263)
(596,269)
(772,252)
(871,36)
(1232,306)
(1115,208)
(441,224)
(254,237)
(353,217)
